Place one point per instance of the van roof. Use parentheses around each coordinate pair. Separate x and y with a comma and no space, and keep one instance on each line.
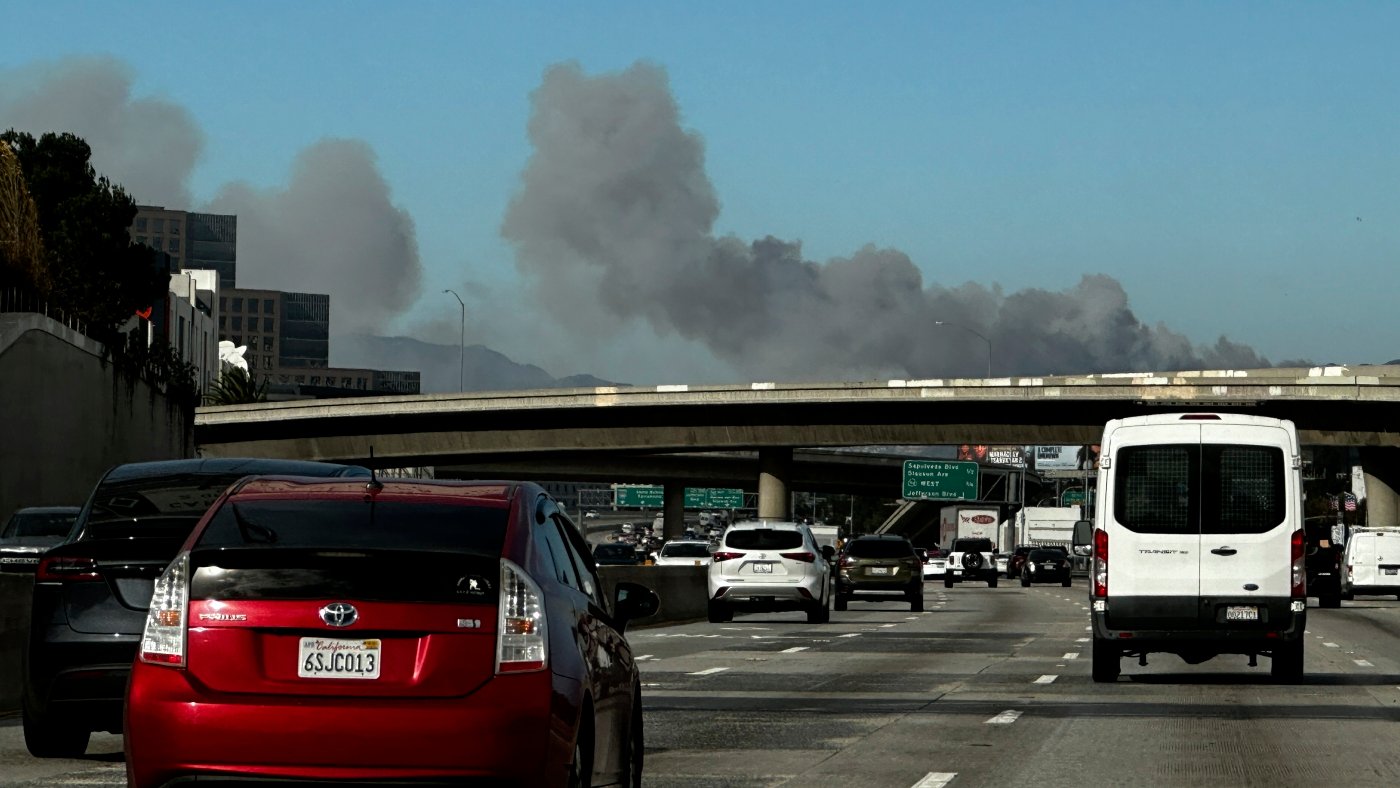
(1241,419)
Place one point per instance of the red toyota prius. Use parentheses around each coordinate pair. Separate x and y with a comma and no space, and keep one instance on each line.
(386,632)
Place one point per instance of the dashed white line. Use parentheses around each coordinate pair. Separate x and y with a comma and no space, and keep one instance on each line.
(794,649)
(911,618)
(1005,718)
(1081,640)
(1088,629)
(1330,645)
(887,626)
(708,671)
(1048,678)
(850,635)
(1071,655)
(644,656)
(935,780)
(1363,663)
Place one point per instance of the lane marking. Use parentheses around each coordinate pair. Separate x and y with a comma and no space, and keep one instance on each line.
(911,618)
(644,656)
(1071,655)
(1363,663)
(1088,629)
(850,635)
(794,649)
(935,780)
(887,626)
(707,672)
(1005,718)
(1330,645)
(1048,678)
(1081,640)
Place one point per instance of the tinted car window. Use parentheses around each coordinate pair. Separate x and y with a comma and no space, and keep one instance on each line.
(161,506)
(763,539)
(397,525)
(1191,489)
(39,524)
(880,548)
(686,551)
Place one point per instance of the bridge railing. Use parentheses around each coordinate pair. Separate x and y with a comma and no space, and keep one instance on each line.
(15,299)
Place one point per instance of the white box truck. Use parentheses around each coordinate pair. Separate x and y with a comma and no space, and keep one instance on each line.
(968,521)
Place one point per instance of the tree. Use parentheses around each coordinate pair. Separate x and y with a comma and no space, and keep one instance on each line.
(21,251)
(235,387)
(94,270)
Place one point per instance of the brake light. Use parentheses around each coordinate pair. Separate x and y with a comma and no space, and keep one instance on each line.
(1300,576)
(1101,563)
(163,641)
(721,555)
(803,556)
(522,639)
(66,569)
(847,562)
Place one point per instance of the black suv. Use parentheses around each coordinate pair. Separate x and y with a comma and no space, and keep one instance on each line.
(881,563)
(91,593)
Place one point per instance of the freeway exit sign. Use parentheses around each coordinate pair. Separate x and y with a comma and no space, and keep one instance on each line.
(650,496)
(939,480)
(653,496)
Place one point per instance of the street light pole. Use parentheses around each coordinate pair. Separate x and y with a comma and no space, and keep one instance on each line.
(975,333)
(462,369)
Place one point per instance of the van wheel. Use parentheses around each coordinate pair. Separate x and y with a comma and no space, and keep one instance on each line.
(48,738)
(840,602)
(1288,662)
(720,613)
(1105,658)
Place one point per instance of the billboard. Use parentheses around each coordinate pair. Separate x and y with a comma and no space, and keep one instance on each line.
(1066,458)
(1014,456)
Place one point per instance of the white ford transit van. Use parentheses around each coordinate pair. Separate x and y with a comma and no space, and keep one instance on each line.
(1197,541)
(1372,562)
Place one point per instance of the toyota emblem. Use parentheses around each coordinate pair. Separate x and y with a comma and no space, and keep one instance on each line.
(339,614)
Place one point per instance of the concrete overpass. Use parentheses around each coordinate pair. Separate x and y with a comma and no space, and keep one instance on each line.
(1335,405)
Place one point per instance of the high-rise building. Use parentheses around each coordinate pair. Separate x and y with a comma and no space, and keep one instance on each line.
(212,243)
(162,229)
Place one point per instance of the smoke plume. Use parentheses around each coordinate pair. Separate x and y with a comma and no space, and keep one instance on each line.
(616,205)
(333,227)
(147,145)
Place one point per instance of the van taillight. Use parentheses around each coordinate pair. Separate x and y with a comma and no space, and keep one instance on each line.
(163,641)
(1300,575)
(66,569)
(1101,563)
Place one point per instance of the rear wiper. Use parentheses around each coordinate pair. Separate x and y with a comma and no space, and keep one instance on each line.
(252,532)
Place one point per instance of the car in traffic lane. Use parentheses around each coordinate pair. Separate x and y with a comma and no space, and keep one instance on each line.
(770,566)
(32,530)
(404,632)
(616,554)
(684,553)
(875,565)
(1046,565)
(91,592)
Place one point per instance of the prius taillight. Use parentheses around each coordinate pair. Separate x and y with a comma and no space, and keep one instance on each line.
(163,641)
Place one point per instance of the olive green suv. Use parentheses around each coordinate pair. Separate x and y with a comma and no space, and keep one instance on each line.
(877,565)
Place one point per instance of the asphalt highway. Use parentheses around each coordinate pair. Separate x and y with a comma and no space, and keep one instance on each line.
(988,687)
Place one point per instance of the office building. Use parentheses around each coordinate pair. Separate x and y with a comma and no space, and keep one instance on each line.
(206,241)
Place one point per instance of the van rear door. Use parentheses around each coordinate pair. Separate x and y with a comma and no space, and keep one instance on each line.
(1247,503)
(1154,544)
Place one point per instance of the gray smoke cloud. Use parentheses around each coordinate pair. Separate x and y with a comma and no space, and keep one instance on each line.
(616,208)
(333,229)
(147,145)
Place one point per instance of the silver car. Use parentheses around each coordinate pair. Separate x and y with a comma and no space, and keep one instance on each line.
(770,566)
(30,532)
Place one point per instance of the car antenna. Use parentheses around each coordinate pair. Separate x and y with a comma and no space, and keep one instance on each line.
(374,484)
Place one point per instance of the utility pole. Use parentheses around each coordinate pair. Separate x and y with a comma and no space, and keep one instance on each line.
(462,369)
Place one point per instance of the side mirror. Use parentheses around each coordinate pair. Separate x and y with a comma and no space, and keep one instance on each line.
(1083,537)
(632,601)
(828,551)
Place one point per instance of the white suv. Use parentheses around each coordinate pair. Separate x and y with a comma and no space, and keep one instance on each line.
(971,558)
(763,566)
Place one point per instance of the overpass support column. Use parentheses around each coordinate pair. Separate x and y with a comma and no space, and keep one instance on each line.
(774,471)
(673,513)
(1382,469)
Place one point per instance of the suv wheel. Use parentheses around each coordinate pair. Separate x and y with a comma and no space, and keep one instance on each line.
(948,581)
(720,613)
(1067,582)
(992,581)
(49,738)
(1288,662)
(1105,658)
(841,601)
(1025,580)
(1332,599)
(818,613)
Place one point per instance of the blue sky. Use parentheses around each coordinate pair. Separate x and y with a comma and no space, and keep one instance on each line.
(1213,158)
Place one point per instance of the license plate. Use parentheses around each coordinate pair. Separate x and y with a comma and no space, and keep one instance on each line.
(1241,613)
(332,658)
(1049,566)
(763,569)
(879,570)
(1389,571)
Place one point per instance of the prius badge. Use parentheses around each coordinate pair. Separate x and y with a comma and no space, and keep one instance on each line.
(339,614)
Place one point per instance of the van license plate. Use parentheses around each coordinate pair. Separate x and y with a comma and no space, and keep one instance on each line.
(763,569)
(333,658)
(1241,613)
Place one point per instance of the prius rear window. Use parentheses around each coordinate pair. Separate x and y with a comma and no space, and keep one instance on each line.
(1194,489)
(357,524)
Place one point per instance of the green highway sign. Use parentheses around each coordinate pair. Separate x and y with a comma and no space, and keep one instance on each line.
(939,480)
(654,497)
(640,495)
(1074,497)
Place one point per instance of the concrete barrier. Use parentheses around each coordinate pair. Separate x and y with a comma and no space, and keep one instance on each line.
(683,590)
(15,593)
